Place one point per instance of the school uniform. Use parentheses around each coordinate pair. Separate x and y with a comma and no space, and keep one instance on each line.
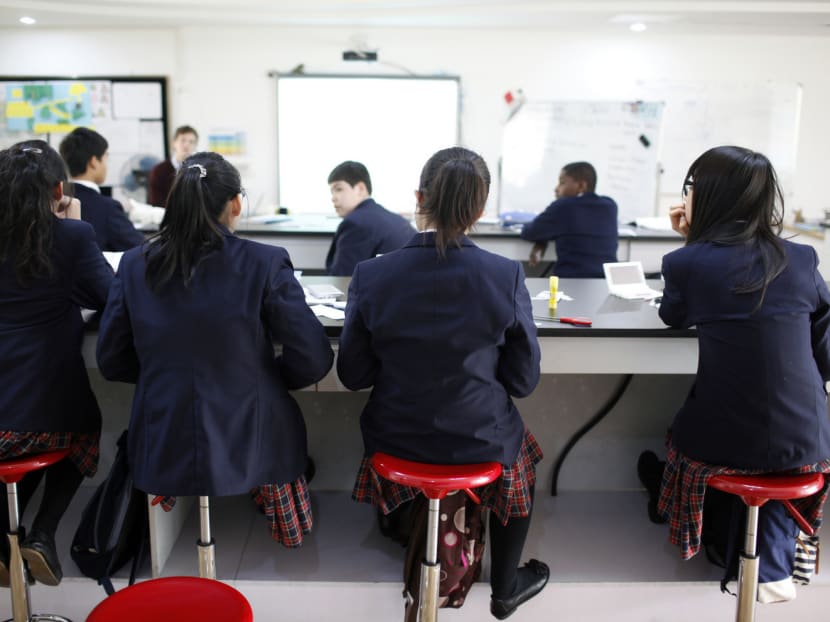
(758,403)
(42,372)
(584,228)
(446,345)
(113,230)
(160,181)
(367,231)
(212,414)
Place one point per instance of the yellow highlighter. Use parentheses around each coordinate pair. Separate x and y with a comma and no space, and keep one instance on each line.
(554,288)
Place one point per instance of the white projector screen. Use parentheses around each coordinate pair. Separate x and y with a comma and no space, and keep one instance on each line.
(390,124)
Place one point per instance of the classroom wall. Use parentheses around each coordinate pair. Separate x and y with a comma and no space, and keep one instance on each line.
(219,76)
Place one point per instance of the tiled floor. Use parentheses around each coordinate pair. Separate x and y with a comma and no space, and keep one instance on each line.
(607,562)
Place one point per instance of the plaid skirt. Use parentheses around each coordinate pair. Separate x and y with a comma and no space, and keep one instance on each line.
(506,497)
(684,486)
(287,508)
(83,448)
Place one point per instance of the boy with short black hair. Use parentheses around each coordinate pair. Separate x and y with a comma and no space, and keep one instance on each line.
(368,229)
(185,139)
(86,157)
(582,223)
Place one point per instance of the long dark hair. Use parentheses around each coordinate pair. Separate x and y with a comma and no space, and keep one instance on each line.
(29,173)
(454,186)
(190,228)
(737,186)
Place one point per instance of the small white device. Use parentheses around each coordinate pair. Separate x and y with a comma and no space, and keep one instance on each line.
(626,280)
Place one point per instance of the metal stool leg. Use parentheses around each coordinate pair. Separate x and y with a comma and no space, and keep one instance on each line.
(748,570)
(430,568)
(17,574)
(207,559)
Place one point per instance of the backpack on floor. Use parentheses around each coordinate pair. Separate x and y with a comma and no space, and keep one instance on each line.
(460,547)
(114,527)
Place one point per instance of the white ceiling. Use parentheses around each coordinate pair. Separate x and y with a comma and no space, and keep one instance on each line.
(665,16)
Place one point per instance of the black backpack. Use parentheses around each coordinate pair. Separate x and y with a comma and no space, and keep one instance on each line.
(114,526)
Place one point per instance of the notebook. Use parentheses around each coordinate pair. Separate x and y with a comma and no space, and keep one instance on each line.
(626,280)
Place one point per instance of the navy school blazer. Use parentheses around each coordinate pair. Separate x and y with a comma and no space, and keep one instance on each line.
(585,231)
(212,414)
(758,401)
(368,230)
(44,383)
(445,344)
(113,230)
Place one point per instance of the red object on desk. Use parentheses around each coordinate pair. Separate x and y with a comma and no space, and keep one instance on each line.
(576,321)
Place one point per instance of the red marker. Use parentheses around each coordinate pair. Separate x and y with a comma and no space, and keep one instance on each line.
(576,321)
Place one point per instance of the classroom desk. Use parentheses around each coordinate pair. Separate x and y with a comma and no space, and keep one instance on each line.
(307,239)
(627,337)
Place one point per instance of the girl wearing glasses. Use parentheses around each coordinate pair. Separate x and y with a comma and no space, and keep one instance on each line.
(191,320)
(762,314)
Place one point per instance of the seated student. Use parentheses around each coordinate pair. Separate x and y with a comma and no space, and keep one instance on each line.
(762,313)
(192,319)
(85,153)
(162,174)
(443,332)
(367,228)
(583,225)
(50,267)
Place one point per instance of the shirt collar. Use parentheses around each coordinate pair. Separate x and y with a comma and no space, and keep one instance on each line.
(89,184)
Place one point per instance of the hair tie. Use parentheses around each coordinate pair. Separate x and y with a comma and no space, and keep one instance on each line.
(202,170)
(36,150)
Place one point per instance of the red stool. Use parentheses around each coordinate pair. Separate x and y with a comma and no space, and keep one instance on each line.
(184,599)
(11,472)
(435,481)
(755,491)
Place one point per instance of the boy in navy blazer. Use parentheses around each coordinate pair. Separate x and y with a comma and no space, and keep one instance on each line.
(583,225)
(367,228)
(85,154)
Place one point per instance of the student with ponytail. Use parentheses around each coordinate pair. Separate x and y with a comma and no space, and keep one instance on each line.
(50,267)
(192,319)
(443,333)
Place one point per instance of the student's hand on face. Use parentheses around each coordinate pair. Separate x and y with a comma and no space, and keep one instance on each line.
(68,207)
(677,214)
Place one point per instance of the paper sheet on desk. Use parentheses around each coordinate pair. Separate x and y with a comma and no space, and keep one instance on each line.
(329,312)
(545,295)
(657,223)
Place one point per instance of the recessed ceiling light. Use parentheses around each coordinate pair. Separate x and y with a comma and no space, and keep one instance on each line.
(28,20)
(638,27)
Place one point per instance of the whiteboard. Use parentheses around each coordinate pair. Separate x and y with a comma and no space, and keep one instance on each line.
(392,124)
(699,115)
(620,139)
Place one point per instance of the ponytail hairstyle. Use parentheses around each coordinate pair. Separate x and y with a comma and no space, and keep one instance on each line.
(736,185)
(190,229)
(30,171)
(454,186)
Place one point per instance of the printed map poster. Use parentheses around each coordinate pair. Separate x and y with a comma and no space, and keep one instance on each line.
(56,106)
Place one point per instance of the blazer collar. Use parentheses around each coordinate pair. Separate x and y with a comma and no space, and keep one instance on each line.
(428,239)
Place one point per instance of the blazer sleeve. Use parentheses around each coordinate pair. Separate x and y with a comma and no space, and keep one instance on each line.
(352,244)
(820,325)
(518,367)
(122,234)
(545,226)
(306,353)
(92,275)
(115,352)
(357,366)
(673,307)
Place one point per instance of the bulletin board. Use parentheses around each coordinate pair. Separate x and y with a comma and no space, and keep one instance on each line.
(131,113)
(392,124)
(621,139)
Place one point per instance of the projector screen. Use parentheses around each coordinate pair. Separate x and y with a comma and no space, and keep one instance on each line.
(390,124)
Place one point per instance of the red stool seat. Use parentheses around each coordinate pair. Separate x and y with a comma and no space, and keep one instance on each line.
(12,471)
(435,480)
(183,599)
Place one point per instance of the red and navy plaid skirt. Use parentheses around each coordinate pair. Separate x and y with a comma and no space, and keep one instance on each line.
(506,497)
(83,448)
(684,486)
(287,508)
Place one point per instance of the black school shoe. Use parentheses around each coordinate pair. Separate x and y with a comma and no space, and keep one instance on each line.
(650,472)
(533,576)
(38,549)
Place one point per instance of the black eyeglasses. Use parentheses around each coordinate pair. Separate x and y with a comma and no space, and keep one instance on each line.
(686,187)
